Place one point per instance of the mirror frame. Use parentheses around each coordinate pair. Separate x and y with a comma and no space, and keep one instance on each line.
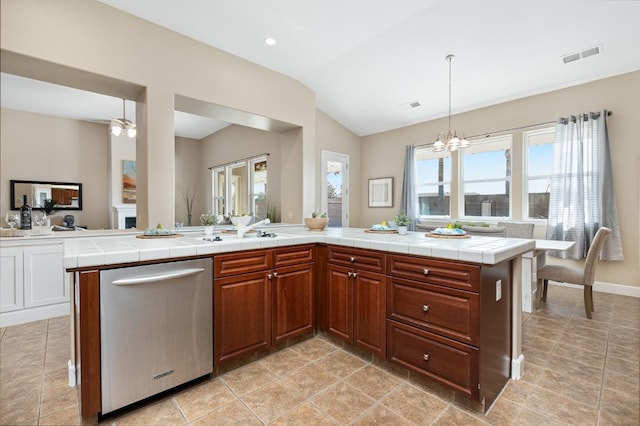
(14,206)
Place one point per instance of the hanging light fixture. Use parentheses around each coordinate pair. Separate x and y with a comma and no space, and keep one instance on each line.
(118,125)
(449,140)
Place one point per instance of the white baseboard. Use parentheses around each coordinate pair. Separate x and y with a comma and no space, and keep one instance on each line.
(72,373)
(33,314)
(619,289)
(517,368)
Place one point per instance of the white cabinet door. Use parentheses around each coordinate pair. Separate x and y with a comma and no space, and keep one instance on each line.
(11,279)
(44,282)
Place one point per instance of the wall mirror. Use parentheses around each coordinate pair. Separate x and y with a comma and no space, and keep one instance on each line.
(67,195)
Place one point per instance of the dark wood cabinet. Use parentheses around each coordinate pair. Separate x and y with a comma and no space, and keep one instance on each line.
(356,298)
(445,322)
(261,297)
(292,306)
(241,315)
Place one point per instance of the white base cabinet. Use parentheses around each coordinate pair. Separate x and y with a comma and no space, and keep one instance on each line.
(33,285)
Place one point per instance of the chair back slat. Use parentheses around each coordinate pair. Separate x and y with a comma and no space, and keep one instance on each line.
(593,254)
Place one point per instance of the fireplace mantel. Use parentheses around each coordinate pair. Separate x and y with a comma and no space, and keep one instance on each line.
(121,212)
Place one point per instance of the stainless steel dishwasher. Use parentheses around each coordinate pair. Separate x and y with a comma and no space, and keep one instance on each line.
(156,329)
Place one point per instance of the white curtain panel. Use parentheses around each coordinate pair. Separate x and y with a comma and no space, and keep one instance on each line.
(582,198)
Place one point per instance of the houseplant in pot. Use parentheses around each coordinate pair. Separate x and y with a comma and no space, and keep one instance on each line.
(208,220)
(317,222)
(402,221)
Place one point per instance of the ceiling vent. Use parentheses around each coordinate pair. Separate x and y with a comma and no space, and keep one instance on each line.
(571,57)
(409,105)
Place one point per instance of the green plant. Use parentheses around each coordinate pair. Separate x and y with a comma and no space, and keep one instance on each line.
(402,219)
(314,215)
(273,211)
(208,219)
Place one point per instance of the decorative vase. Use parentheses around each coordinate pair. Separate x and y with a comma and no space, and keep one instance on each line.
(316,224)
(402,230)
(208,230)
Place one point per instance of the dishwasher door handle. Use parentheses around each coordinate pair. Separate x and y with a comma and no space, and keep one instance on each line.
(159,277)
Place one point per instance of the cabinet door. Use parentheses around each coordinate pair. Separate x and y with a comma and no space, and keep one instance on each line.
(369,328)
(241,315)
(44,282)
(292,308)
(340,302)
(11,279)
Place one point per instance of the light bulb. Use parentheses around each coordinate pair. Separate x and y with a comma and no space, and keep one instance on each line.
(116,129)
(131,132)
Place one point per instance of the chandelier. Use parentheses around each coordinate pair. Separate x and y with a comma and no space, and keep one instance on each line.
(118,125)
(449,140)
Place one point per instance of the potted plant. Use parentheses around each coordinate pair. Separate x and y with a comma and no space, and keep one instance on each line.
(317,222)
(402,221)
(208,220)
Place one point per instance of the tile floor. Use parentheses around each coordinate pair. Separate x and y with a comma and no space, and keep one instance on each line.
(577,371)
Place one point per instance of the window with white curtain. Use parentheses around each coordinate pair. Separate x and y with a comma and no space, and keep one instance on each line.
(434,182)
(538,167)
(485,170)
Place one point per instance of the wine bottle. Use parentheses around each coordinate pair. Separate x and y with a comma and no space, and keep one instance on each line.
(25,214)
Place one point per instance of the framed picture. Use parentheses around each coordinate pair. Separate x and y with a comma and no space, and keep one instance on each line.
(128,182)
(381,192)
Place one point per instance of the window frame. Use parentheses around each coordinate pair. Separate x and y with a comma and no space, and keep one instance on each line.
(500,142)
(249,165)
(428,154)
(526,136)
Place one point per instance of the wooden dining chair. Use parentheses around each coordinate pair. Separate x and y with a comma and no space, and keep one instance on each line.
(569,274)
(484,231)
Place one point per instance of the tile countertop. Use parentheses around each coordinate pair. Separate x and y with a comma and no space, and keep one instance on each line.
(100,250)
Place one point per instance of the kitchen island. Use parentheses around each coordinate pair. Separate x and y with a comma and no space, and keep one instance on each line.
(363,288)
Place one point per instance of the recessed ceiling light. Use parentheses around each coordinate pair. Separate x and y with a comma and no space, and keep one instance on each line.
(269,41)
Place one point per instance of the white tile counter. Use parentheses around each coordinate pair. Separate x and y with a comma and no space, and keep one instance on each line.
(97,250)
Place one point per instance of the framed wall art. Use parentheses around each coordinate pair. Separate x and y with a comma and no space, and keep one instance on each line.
(381,192)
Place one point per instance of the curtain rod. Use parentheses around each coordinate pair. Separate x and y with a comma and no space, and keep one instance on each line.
(240,160)
(488,134)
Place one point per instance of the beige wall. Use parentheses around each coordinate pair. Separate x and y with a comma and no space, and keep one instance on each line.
(188,176)
(74,35)
(40,147)
(238,142)
(332,136)
(383,153)
(121,148)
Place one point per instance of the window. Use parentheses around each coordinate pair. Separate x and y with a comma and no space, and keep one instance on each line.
(241,188)
(434,182)
(486,178)
(538,164)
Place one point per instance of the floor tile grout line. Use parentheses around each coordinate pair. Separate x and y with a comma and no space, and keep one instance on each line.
(44,362)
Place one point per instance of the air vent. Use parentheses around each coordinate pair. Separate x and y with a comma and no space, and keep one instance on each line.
(585,53)
(409,105)
(570,58)
(590,52)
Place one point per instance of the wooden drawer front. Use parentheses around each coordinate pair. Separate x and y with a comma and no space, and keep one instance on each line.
(450,274)
(357,259)
(225,265)
(292,256)
(446,311)
(443,360)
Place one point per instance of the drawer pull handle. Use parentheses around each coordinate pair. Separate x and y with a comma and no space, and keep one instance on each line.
(426,271)
(349,274)
(355,274)
(425,308)
(275,275)
(426,357)
(270,276)
(352,259)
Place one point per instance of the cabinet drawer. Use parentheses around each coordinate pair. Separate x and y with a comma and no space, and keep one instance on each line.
(359,259)
(450,274)
(443,360)
(293,255)
(225,265)
(446,311)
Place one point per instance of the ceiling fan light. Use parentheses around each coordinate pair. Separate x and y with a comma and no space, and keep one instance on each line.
(131,131)
(464,143)
(454,141)
(116,128)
